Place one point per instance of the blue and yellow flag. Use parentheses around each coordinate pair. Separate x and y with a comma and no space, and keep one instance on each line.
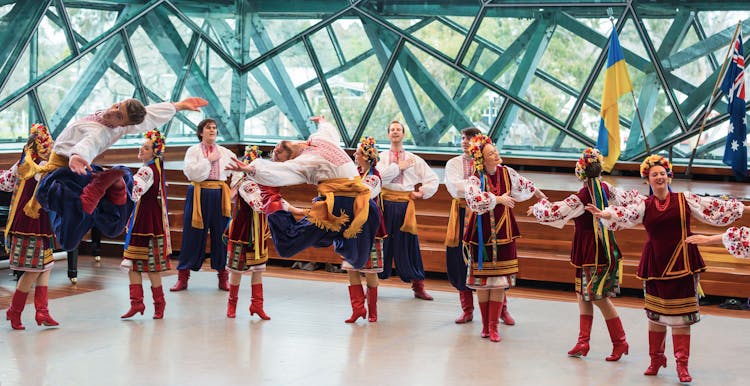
(616,84)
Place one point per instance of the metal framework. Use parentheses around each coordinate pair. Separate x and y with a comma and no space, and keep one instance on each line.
(526,72)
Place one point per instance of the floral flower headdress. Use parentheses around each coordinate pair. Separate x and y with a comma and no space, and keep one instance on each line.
(367,145)
(252,152)
(589,156)
(655,160)
(476,144)
(41,138)
(157,141)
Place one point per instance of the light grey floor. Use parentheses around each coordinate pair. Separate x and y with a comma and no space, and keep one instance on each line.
(306,343)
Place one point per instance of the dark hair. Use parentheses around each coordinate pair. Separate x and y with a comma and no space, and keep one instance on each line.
(593,170)
(136,111)
(201,125)
(470,132)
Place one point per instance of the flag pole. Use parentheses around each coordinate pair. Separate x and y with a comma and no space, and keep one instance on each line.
(707,109)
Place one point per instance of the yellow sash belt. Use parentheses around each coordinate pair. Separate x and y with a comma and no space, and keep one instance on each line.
(410,217)
(31,168)
(321,213)
(454,229)
(226,206)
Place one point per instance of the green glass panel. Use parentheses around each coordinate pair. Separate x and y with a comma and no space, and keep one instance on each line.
(351,36)
(15,123)
(441,37)
(53,47)
(549,98)
(156,73)
(89,22)
(501,31)
(385,111)
(184,31)
(569,58)
(220,78)
(53,91)
(280,30)
(19,77)
(530,133)
(269,126)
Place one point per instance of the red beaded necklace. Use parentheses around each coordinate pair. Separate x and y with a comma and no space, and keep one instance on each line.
(662,207)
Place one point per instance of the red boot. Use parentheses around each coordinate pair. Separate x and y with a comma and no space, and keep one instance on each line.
(484,309)
(617,334)
(97,187)
(40,303)
(584,335)
(681,345)
(656,352)
(136,301)
(271,198)
(182,280)
(17,305)
(223,276)
(256,302)
(467,305)
(505,315)
(357,297)
(234,290)
(372,304)
(117,193)
(494,314)
(418,287)
(159,302)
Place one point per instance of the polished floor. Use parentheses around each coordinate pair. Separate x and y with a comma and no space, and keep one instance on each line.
(306,342)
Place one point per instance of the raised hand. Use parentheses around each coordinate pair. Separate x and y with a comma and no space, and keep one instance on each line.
(596,212)
(703,239)
(192,104)
(78,165)
(239,166)
(506,200)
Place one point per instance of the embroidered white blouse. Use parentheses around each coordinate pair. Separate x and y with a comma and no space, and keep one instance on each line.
(481,202)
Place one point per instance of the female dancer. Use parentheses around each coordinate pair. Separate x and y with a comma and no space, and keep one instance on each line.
(493,266)
(366,158)
(148,246)
(594,254)
(29,240)
(246,246)
(735,239)
(669,267)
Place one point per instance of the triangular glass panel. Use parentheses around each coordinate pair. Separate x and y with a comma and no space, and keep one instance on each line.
(527,134)
(270,126)
(280,30)
(52,44)
(156,72)
(89,22)
(443,35)
(183,30)
(15,121)
(220,79)
(54,91)
(19,77)
(386,110)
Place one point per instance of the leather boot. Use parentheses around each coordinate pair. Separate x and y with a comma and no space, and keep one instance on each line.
(97,187)
(418,287)
(234,290)
(182,280)
(159,302)
(117,193)
(617,334)
(656,340)
(484,309)
(40,303)
(505,315)
(256,302)
(681,345)
(271,199)
(17,305)
(584,335)
(372,304)
(136,301)
(494,314)
(467,305)
(223,276)
(357,298)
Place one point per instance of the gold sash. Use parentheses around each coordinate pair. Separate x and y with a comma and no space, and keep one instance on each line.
(226,206)
(321,212)
(31,168)
(454,230)
(410,217)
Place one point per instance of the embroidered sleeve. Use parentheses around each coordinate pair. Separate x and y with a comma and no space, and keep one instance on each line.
(291,172)
(478,201)
(9,178)
(250,192)
(621,197)
(625,216)
(714,211)
(157,114)
(522,189)
(737,241)
(142,181)
(558,213)
(373,182)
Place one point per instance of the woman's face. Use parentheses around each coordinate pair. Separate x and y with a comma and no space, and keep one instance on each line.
(146,151)
(658,178)
(360,159)
(491,157)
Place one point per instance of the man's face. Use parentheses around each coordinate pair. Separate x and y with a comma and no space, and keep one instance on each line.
(209,132)
(281,152)
(465,143)
(117,115)
(396,132)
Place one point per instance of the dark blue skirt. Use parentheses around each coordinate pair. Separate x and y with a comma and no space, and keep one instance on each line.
(59,193)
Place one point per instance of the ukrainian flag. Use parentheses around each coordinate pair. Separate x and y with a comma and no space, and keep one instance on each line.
(616,84)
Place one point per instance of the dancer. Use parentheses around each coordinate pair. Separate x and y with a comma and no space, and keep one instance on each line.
(494,264)
(343,216)
(669,267)
(401,171)
(78,195)
(29,240)
(457,172)
(207,206)
(148,245)
(735,239)
(366,158)
(595,254)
